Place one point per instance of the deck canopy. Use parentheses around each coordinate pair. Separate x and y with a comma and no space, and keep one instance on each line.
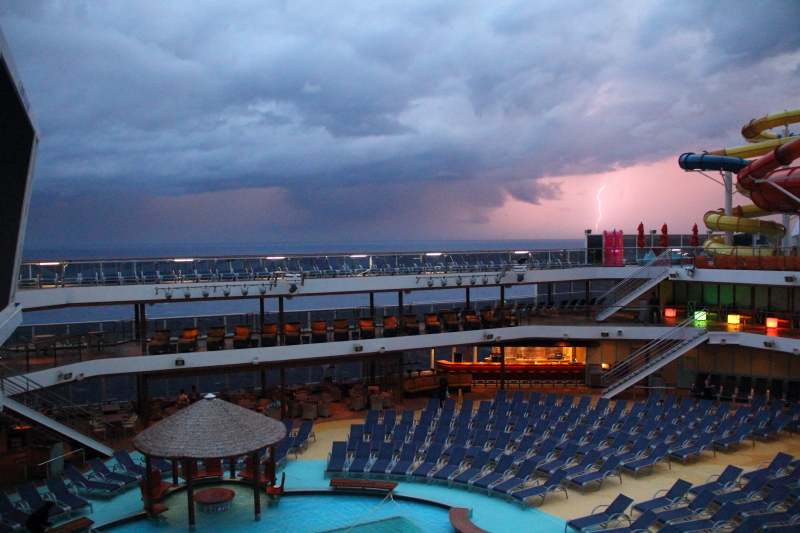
(209,429)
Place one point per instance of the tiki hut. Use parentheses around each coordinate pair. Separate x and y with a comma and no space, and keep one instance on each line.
(208,429)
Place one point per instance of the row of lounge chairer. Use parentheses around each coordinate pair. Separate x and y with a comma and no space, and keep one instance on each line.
(342,330)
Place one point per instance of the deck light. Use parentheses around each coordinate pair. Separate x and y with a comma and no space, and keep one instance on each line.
(430,282)
(796,351)
(179,361)
(473,280)
(769,344)
(357,256)
(444,282)
(604,366)
(734,319)
(205,292)
(293,288)
(187,294)
(772,322)
(48,263)
(183,260)
(670,312)
(619,333)
(498,278)
(521,252)
(275,257)
(245,290)
(255,360)
(358,348)
(459,281)
(434,254)
(262,290)
(226,291)
(701,316)
(168,294)
(485,280)
(488,336)
(604,334)
(788,279)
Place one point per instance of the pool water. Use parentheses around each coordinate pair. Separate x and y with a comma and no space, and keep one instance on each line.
(303,514)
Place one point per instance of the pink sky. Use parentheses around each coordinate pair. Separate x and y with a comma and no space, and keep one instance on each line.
(652,194)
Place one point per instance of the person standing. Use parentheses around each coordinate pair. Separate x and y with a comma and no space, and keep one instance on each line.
(653,309)
(444,386)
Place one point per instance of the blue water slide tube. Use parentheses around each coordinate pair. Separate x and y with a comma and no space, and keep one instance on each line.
(692,161)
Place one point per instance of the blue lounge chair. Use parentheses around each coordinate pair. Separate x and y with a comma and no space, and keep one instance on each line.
(722,518)
(553,484)
(768,503)
(383,460)
(694,448)
(776,467)
(671,497)
(99,469)
(60,492)
(696,508)
(408,453)
(640,525)
(525,473)
(454,463)
(337,458)
(90,486)
(613,511)
(127,464)
(11,513)
(362,458)
(660,454)
(479,464)
(609,469)
(502,469)
(727,480)
(749,490)
(31,499)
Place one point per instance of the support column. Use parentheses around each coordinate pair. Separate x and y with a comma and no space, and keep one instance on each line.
(502,296)
(281,337)
(232,466)
(261,309)
(401,386)
(174,473)
(283,393)
(433,359)
(466,306)
(263,383)
(143,328)
(142,398)
(502,367)
(400,327)
(256,488)
(190,493)
(372,304)
(148,501)
(136,322)
(587,296)
(728,179)
(475,354)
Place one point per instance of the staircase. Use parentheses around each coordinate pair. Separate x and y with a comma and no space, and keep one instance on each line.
(640,364)
(22,396)
(627,290)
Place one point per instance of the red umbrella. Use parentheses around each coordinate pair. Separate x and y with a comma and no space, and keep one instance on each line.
(664,241)
(695,241)
(640,237)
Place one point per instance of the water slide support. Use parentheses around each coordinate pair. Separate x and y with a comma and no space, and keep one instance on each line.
(728,178)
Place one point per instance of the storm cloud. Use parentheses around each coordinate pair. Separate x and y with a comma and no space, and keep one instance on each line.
(347,120)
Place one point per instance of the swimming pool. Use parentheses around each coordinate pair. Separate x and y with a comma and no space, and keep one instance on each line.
(303,513)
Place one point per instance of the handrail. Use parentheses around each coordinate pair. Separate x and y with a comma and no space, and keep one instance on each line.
(651,353)
(13,383)
(633,283)
(83,460)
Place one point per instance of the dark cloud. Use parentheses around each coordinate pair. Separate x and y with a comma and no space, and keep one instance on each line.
(350,119)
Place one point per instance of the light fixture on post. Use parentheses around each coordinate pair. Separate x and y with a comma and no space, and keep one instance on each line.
(262,290)
(168,294)
(485,280)
(205,292)
(430,282)
(245,290)
(498,278)
(473,280)
(690,271)
(187,294)
(226,291)
(459,280)
(444,282)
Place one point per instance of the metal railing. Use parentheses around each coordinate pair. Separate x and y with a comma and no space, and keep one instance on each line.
(620,293)
(46,401)
(54,459)
(648,357)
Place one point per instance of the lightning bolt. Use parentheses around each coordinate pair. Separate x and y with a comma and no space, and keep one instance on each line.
(599,207)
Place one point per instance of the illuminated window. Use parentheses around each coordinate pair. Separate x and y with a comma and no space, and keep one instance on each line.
(772,322)
(734,319)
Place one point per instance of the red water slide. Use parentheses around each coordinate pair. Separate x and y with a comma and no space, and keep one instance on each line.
(766,181)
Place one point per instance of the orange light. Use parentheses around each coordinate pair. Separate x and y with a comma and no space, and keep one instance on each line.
(604,366)
(734,319)
(670,312)
(772,322)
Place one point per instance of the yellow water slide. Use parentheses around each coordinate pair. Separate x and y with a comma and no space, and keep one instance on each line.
(762,141)
(744,218)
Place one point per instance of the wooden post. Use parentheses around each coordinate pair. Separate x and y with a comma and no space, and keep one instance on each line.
(256,487)
(174,473)
(190,493)
(148,488)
